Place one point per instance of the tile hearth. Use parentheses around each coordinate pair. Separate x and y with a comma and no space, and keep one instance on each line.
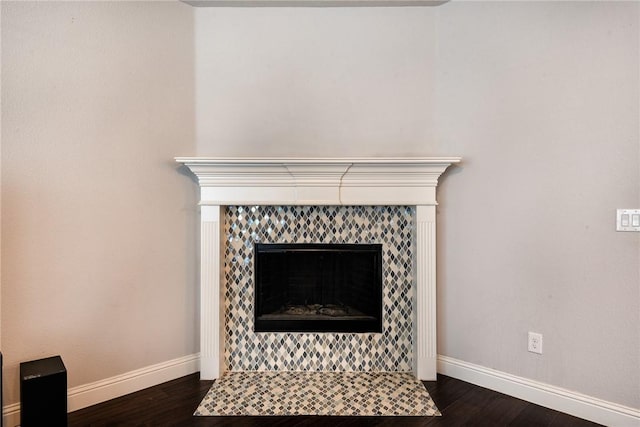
(317,393)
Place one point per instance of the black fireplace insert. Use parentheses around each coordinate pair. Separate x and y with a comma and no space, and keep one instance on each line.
(308,287)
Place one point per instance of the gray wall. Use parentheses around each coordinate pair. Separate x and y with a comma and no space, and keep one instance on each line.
(542,101)
(314,81)
(98,229)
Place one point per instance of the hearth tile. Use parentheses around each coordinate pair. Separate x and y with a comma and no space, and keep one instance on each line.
(317,393)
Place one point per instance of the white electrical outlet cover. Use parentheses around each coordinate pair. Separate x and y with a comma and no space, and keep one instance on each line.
(535,343)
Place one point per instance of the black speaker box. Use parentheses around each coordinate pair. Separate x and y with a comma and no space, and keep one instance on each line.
(43,393)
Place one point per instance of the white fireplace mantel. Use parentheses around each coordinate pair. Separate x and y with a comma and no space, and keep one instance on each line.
(317,181)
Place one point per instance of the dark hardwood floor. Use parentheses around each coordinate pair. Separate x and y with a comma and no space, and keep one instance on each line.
(461,404)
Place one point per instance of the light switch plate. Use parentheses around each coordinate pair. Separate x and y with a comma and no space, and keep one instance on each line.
(628,220)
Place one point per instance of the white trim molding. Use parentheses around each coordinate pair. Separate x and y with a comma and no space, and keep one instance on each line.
(211,310)
(557,398)
(319,181)
(316,182)
(425,333)
(100,391)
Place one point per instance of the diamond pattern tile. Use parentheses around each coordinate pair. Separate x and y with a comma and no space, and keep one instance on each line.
(390,351)
(317,393)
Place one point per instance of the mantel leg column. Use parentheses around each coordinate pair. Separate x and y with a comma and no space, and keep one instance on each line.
(425,340)
(210,302)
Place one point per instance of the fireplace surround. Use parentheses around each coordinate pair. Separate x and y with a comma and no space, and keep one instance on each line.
(390,350)
(365,182)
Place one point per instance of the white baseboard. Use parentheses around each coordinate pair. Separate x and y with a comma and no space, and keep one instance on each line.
(559,399)
(100,391)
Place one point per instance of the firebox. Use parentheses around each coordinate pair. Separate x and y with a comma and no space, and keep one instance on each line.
(318,287)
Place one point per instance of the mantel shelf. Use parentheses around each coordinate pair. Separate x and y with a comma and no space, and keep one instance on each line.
(318,181)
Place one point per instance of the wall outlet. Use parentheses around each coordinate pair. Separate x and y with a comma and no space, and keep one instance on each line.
(535,343)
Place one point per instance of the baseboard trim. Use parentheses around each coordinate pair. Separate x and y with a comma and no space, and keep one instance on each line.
(100,391)
(559,399)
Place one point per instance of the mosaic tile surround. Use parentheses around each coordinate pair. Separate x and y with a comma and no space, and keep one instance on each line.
(390,351)
(317,393)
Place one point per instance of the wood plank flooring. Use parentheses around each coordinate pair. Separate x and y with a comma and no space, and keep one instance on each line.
(461,403)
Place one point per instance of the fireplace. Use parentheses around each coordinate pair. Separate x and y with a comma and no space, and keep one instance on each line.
(227,270)
(318,287)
